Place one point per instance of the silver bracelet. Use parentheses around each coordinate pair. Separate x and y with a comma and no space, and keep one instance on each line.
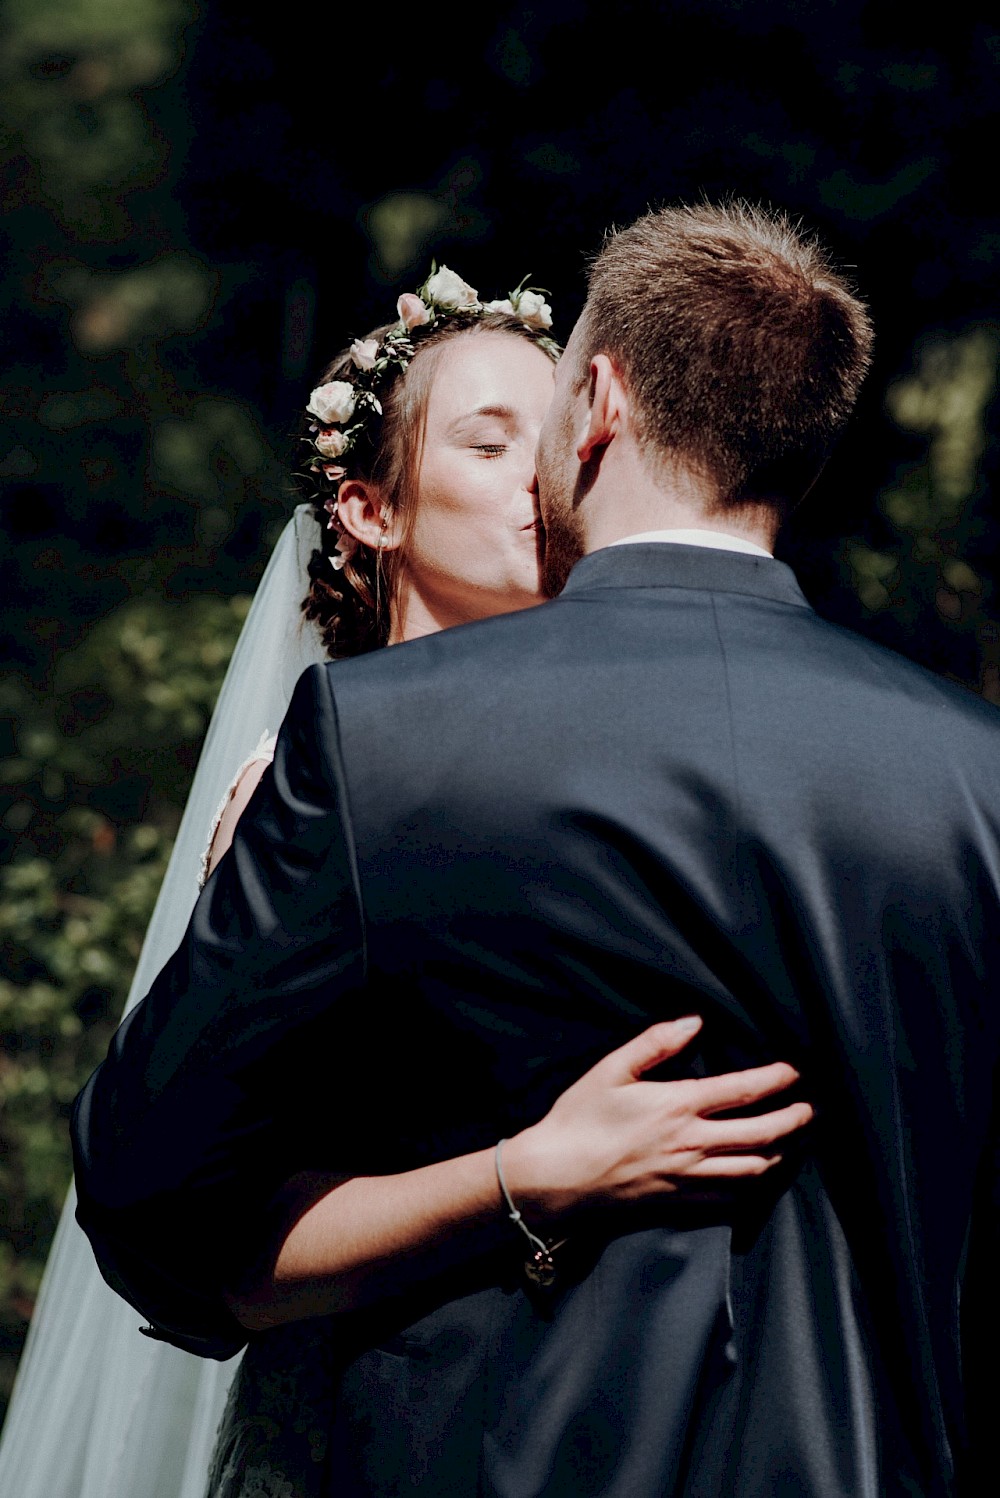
(539,1266)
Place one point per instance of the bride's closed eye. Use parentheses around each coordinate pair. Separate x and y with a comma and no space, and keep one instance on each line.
(490,449)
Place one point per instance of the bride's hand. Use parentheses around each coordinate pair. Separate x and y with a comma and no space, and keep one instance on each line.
(615,1137)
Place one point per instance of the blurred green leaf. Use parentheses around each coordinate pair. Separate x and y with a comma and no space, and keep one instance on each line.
(79,889)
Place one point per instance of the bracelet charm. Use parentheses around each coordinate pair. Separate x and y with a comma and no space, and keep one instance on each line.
(539,1266)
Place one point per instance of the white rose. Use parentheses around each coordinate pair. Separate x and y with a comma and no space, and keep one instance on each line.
(363,353)
(412,312)
(448,290)
(331,443)
(533,309)
(332,402)
(505,306)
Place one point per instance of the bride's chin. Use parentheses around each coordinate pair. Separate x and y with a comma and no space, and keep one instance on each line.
(535,595)
(525,594)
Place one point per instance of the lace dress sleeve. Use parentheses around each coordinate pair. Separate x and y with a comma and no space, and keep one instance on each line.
(264,753)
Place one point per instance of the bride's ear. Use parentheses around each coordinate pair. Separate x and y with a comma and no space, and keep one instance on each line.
(364,515)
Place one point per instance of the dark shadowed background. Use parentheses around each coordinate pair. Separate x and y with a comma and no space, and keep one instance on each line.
(202,207)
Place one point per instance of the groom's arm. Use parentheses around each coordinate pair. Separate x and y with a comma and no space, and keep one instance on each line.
(176,1136)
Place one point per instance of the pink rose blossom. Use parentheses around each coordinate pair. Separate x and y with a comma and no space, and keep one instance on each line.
(412,312)
(330,442)
(345,548)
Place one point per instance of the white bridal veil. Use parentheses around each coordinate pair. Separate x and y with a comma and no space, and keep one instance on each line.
(99,1411)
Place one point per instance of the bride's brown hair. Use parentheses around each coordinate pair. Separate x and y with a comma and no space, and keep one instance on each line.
(350,605)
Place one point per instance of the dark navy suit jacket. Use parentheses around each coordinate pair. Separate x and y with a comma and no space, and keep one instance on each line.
(482,860)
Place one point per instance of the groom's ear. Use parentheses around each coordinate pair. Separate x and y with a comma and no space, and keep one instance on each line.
(606,404)
(364,515)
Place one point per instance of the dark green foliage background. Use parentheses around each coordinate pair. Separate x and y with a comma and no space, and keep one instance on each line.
(200,209)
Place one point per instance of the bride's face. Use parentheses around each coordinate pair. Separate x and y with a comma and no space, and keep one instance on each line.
(473,548)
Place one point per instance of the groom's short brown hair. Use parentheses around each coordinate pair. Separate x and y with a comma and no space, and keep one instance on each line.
(741,346)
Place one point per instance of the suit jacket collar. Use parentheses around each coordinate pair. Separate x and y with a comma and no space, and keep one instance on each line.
(652,565)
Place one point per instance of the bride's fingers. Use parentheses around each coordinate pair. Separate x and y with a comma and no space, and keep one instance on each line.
(739,1134)
(732,1167)
(739,1089)
(643,1052)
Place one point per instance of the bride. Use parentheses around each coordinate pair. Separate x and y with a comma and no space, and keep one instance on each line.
(419,452)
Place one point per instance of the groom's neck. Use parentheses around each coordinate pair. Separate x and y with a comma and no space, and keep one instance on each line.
(633,497)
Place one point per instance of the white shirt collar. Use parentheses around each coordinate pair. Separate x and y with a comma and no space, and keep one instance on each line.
(716,540)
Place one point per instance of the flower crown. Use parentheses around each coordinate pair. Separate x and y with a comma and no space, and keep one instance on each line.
(342,411)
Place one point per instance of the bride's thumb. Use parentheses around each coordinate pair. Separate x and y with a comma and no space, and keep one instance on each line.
(657,1044)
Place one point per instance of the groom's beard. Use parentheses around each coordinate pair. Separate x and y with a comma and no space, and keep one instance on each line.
(565,541)
(561,487)
(563,547)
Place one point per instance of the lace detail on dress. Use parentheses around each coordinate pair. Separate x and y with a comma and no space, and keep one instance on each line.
(265,751)
(272,1439)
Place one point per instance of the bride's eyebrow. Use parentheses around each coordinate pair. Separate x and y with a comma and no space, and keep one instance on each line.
(505,414)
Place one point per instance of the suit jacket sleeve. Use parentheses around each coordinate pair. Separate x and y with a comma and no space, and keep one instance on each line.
(202,1106)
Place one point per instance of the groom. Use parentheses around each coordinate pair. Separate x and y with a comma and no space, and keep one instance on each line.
(673,787)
